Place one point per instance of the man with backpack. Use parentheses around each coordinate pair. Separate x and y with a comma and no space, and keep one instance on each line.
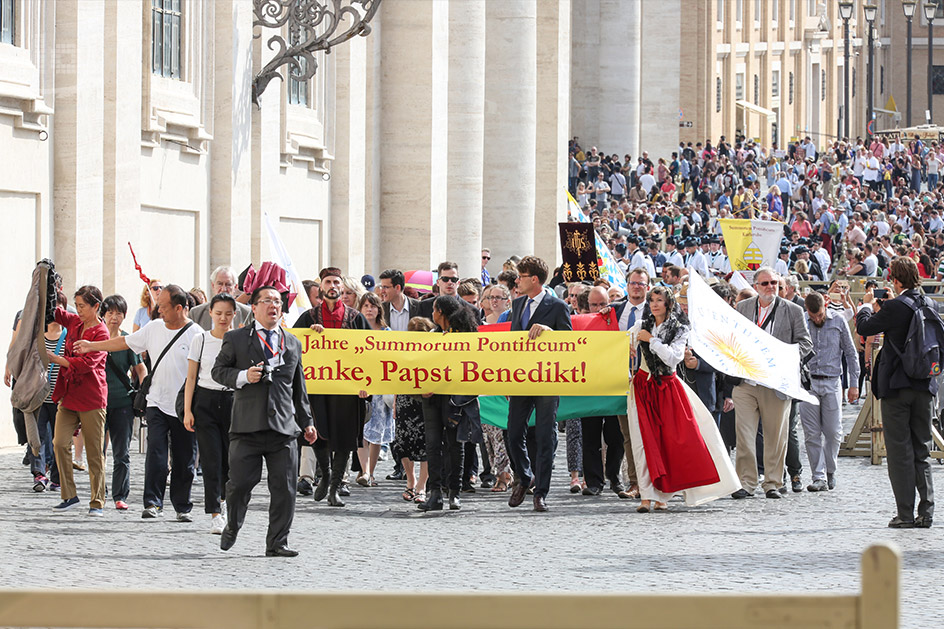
(903,378)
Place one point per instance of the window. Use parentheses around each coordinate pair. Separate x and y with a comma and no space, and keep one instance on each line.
(165,38)
(811,7)
(757,11)
(775,84)
(790,88)
(823,85)
(881,79)
(739,87)
(793,10)
(720,16)
(297,90)
(937,79)
(774,11)
(6,21)
(853,82)
(774,133)
(756,90)
(739,12)
(718,94)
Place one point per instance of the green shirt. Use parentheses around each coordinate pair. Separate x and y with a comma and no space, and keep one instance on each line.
(117,392)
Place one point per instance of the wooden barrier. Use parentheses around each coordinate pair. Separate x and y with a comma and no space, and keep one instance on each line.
(875,607)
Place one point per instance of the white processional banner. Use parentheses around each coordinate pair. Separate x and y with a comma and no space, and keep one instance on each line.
(732,344)
(280,256)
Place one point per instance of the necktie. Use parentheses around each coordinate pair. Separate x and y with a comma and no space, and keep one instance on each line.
(267,346)
(632,317)
(526,315)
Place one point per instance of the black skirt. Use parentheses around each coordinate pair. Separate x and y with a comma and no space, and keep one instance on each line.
(339,420)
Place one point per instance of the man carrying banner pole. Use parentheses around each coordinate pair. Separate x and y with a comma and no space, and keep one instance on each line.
(754,402)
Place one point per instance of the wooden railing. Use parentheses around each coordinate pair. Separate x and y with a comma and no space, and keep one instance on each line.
(876,606)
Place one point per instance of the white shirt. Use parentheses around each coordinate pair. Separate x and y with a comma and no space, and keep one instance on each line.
(276,343)
(535,302)
(698,262)
(204,350)
(624,319)
(674,258)
(171,374)
(400,319)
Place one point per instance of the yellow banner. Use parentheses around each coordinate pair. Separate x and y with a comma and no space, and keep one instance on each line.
(751,244)
(497,363)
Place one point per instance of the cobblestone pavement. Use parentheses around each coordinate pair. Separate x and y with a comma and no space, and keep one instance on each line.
(807,542)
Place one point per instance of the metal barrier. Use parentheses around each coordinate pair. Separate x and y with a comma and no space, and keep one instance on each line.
(875,607)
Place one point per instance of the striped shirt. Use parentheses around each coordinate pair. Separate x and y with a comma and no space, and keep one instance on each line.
(53,367)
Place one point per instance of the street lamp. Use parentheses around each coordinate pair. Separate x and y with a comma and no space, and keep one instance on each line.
(846,7)
(929,9)
(870,12)
(909,6)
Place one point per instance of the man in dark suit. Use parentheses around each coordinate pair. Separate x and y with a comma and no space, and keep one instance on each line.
(263,364)
(397,307)
(907,404)
(536,310)
(448,284)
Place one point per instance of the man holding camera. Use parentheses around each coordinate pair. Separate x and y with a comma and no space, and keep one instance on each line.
(263,363)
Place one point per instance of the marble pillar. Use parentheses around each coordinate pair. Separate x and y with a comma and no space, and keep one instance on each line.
(621,75)
(585,75)
(466,136)
(510,128)
(78,157)
(553,117)
(661,48)
(414,133)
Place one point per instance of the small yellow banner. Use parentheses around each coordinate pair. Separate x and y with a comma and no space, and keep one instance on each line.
(342,362)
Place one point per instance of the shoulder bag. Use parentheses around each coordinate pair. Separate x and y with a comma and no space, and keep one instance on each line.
(182,394)
(140,399)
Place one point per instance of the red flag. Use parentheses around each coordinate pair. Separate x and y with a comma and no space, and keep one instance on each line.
(590,322)
(144,278)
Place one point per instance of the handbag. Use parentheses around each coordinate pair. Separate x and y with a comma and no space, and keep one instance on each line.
(124,379)
(140,399)
(182,394)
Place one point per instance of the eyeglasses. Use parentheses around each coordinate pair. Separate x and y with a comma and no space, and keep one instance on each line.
(769,283)
(157,289)
(451,280)
(270,302)
(498,298)
(524,275)
(486,257)
(643,284)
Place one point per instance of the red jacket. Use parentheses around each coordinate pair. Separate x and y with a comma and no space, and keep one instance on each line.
(81,387)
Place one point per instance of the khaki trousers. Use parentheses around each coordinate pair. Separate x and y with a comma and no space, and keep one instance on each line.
(628,448)
(93,429)
(753,404)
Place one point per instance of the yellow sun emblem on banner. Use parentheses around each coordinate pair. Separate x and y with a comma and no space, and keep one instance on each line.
(729,346)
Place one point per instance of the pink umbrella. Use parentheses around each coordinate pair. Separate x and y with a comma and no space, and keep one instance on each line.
(420,280)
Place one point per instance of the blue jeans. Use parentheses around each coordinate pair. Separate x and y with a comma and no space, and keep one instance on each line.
(119,423)
(163,428)
(45,424)
(932,181)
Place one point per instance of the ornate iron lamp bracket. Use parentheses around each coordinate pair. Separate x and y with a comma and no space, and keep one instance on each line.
(313,25)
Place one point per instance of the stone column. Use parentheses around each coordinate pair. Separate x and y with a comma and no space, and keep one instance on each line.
(620,72)
(78,148)
(466,135)
(267,178)
(510,129)
(661,46)
(230,150)
(348,170)
(122,143)
(553,117)
(413,133)
(585,75)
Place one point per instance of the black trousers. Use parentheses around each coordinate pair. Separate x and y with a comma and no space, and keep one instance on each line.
(793,464)
(212,411)
(594,431)
(246,454)
(443,451)
(906,419)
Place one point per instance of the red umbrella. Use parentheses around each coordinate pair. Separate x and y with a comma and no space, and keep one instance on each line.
(420,280)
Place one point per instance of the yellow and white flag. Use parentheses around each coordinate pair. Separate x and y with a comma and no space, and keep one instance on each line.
(733,344)
(751,244)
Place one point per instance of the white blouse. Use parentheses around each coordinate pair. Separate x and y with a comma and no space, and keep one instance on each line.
(671,354)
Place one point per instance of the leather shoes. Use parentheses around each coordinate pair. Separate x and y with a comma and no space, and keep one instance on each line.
(539,504)
(817,485)
(434,502)
(592,491)
(631,493)
(321,491)
(898,523)
(775,493)
(518,493)
(796,484)
(782,489)
(742,493)
(227,538)
(617,487)
(282,551)
(303,487)
(454,504)
(923,522)
(397,476)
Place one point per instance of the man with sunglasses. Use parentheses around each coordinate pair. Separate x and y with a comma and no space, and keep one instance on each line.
(448,284)
(486,256)
(754,403)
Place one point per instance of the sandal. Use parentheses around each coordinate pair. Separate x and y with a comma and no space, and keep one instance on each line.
(420,497)
(661,506)
(643,507)
(409,494)
(500,486)
(362,480)
(371,482)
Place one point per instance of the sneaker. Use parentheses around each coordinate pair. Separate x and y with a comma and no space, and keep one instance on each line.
(53,486)
(121,505)
(39,483)
(223,511)
(66,505)
(151,512)
(184,517)
(217,524)
(796,484)
(831,480)
(96,513)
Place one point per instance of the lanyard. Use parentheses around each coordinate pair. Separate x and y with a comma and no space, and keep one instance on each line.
(266,343)
(766,320)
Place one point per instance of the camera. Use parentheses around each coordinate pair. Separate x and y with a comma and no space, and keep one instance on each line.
(266,375)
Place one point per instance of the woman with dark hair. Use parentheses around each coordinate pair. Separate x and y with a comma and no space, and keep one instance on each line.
(82,394)
(379,428)
(119,414)
(676,443)
(451,315)
(208,408)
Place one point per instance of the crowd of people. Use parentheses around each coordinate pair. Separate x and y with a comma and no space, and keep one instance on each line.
(192,366)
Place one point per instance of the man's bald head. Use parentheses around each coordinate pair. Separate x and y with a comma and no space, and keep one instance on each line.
(598,299)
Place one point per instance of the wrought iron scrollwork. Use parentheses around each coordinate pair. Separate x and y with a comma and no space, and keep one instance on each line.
(313,25)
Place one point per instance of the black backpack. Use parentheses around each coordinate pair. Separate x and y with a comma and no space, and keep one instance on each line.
(923,352)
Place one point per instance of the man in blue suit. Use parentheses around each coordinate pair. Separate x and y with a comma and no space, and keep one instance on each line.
(536,310)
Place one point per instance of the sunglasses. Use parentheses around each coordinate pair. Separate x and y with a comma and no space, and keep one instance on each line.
(486,257)
(451,280)
(769,283)
(157,288)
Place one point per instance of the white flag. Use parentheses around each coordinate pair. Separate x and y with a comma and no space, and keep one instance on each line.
(733,344)
(279,255)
